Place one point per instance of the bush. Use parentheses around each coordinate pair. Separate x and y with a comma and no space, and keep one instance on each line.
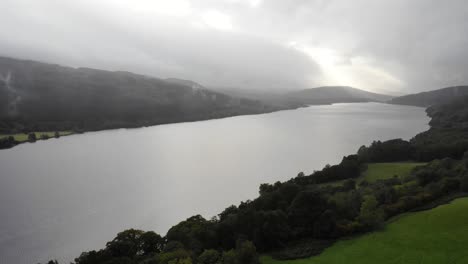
(464,183)
(449,184)
(370,215)
(7,142)
(32,137)
(209,256)
(247,253)
(230,257)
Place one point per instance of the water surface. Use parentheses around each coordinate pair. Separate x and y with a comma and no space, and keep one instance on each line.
(63,196)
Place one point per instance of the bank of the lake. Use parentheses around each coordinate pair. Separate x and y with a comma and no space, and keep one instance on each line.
(74,194)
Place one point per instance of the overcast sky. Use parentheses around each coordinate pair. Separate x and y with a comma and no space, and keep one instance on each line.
(392,46)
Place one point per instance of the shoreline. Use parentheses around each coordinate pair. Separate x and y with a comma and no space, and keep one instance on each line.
(71,132)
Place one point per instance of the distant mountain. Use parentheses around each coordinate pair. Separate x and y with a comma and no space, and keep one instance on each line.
(425,99)
(334,94)
(188,83)
(37,96)
(267,96)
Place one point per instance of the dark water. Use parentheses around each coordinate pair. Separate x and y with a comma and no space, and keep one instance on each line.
(61,197)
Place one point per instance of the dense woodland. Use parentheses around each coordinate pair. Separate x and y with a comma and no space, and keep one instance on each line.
(304,215)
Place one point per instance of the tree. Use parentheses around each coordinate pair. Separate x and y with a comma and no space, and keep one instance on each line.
(7,142)
(230,257)
(305,210)
(273,232)
(227,212)
(132,242)
(196,233)
(349,184)
(151,243)
(56,134)
(209,256)
(246,253)
(179,256)
(32,137)
(464,183)
(449,185)
(173,246)
(370,215)
(325,225)
(93,257)
(265,188)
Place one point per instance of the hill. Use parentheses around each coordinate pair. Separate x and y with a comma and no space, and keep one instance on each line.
(268,96)
(450,115)
(434,236)
(425,99)
(183,82)
(36,96)
(335,94)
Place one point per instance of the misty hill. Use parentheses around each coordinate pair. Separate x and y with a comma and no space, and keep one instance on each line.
(313,96)
(335,94)
(188,83)
(450,115)
(37,96)
(267,96)
(425,99)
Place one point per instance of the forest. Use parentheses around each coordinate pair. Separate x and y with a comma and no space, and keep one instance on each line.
(303,216)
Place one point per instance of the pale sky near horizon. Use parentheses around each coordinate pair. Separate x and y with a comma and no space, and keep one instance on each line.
(393,47)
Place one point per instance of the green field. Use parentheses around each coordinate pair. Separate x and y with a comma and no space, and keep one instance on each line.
(379,171)
(439,235)
(24,137)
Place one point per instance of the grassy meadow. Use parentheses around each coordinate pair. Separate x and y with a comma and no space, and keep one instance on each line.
(439,235)
(22,137)
(380,171)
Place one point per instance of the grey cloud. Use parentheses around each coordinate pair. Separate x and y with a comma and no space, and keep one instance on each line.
(73,34)
(421,43)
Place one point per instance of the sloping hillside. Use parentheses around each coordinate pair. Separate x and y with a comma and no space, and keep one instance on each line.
(425,99)
(438,235)
(335,94)
(450,115)
(36,96)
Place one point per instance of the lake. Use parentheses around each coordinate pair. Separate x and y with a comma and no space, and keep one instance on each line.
(63,196)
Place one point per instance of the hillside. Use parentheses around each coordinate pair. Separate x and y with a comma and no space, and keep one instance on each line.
(267,96)
(434,236)
(425,99)
(451,115)
(183,82)
(36,96)
(334,94)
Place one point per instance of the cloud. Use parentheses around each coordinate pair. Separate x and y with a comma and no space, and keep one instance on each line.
(388,46)
(420,43)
